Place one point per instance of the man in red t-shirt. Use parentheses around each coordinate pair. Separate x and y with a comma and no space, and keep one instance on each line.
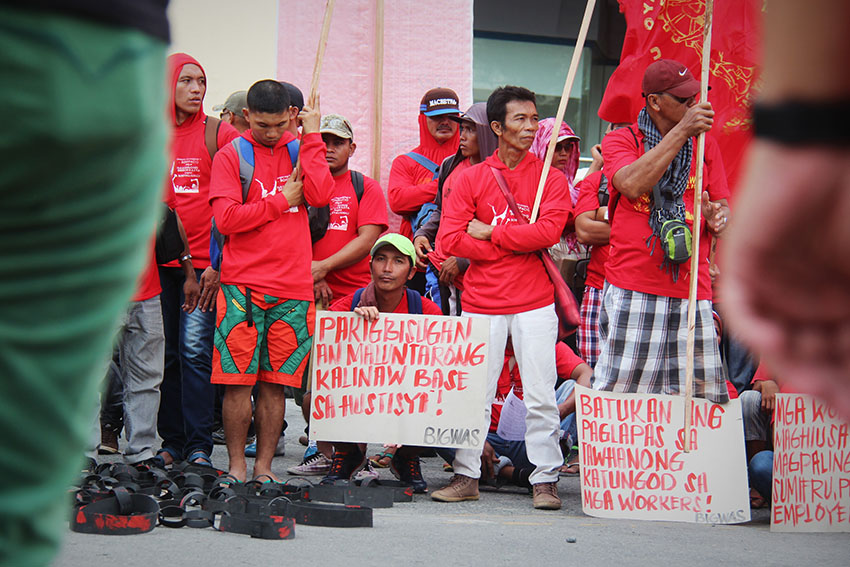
(340,265)
(413,176)
(392,265)
(651,168)
(507,282)
(265,309)
(592,230)
(186,410)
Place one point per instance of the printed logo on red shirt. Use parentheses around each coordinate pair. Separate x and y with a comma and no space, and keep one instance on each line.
(186,175)
(340,213)
(278,186)
(507,216)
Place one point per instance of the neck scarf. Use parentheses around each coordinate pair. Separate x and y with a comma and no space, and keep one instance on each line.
(671,187)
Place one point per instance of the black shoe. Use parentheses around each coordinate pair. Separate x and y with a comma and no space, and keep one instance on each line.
(407,470)
(344,465)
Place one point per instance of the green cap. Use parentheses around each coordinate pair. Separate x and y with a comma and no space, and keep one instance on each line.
(397,241)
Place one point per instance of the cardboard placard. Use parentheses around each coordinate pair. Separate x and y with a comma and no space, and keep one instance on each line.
(633,464)
(811,467)
(407,379)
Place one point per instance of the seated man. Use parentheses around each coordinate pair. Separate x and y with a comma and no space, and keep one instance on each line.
(392,265)
(757,406)
(357,215)
(504,457)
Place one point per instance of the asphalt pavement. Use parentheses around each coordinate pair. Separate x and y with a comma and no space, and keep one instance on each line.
(501,528)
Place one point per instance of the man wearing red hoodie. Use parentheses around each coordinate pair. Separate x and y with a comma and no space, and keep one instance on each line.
(186,409)
(507,283)
(413,176)
(265,308)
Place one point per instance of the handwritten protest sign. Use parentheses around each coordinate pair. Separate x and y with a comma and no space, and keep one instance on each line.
(811,467)
(409,379)
(633,464)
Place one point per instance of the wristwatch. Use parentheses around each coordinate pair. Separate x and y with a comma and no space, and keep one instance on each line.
(186,257)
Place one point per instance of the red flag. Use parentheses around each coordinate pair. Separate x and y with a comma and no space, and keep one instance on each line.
(673,29)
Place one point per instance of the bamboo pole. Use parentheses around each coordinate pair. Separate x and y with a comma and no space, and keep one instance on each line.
(562,106)
(692,294)
(379,91)
(320,53)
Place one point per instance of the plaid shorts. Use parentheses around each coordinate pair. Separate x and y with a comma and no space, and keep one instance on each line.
(644,346)
(588,330)
(272,345)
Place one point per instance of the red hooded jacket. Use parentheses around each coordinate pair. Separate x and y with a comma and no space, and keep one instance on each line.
(189,172)
(504,274)
(268,244)
(411,185)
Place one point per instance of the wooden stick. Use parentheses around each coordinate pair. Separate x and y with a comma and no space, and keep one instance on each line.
(379,91)
(320,53)
(695,262)
(562,106)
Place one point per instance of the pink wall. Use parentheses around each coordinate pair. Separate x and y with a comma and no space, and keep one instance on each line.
(425,45)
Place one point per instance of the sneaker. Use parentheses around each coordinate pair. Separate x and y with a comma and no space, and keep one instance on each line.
(344,465)
(312,449)
(218,436)
(315,465)
(546,496)
(408,471)
(279,451)
(108,440)
(460,488)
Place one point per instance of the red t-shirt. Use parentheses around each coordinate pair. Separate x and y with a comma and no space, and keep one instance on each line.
(588,200)
(412,185)
(566,362)
(148,283)
(428,306)
(629,264)
(189,182)
(438,256)
(504,275)
(268,244)
(347,215)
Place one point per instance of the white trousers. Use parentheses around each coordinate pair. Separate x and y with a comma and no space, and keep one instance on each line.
(533,334)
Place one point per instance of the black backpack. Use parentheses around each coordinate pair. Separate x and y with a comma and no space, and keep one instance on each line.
(321,216)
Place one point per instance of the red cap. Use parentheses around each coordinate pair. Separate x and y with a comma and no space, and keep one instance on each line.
(669,76)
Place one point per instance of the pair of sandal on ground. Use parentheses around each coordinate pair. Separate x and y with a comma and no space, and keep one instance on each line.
(167,456)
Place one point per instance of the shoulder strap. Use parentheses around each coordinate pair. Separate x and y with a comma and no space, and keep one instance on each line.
(357,181)
(211,134)
(414,302)
(424,162)
(634,136)
(245,151)
(446,168)
(355,301)
(503,185)
(602,194)
(293,147)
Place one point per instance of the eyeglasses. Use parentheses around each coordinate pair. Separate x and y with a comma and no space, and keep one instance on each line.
(686,101)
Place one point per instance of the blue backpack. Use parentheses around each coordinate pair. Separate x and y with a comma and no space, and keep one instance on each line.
(424,213)
(414,301)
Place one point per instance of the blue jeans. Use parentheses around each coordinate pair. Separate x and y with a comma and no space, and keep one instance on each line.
(186,409)
(514,450)
(760,473)
(568,427)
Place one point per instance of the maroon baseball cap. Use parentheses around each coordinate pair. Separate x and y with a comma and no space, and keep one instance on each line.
(669,76)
